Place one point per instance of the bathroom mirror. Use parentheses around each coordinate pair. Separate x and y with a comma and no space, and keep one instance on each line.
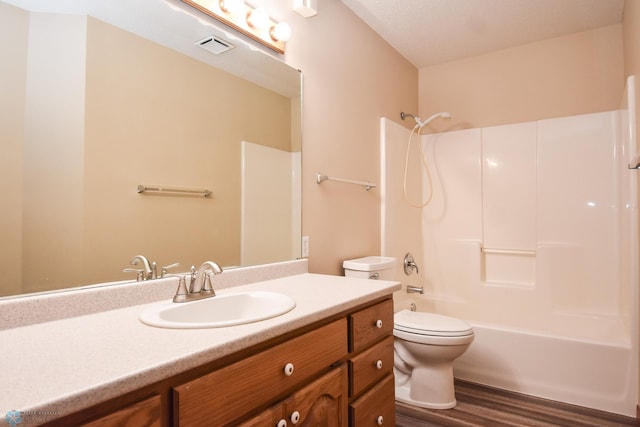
(102,96)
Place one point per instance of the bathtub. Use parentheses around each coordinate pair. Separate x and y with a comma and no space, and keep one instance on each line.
(594,374)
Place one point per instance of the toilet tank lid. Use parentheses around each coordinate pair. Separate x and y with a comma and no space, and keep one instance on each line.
(369,263)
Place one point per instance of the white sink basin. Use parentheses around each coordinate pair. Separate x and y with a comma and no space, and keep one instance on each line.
(219,311)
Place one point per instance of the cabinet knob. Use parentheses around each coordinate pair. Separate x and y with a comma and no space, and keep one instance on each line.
(282,423)
(295,417)
(378,323)
(380,420)
(288,369)
(379,364)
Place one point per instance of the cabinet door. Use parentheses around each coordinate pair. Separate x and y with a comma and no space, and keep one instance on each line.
(145,413)
(321,403)
(274,417)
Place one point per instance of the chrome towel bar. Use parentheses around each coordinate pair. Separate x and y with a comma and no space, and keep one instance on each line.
(175,190)
(320,178)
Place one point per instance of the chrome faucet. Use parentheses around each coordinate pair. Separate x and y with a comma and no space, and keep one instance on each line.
(147,271)
(200,285)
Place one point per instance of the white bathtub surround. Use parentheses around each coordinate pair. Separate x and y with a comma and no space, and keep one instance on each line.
(531,237)
(270,192)
(583,372)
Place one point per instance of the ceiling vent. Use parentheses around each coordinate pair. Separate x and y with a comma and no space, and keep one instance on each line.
(215,45)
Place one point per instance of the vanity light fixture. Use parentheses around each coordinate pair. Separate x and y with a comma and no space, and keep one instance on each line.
(252,22)
(258,19)
(232,6)
(281,32)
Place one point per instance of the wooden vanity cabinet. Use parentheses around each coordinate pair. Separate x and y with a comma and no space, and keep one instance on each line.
(371,381)
(332,374)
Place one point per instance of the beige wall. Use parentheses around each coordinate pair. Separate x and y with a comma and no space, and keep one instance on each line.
(351,78)
(13,49)
(53,151)
(575,74)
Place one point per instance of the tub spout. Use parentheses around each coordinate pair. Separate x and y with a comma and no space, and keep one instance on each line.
(415,289)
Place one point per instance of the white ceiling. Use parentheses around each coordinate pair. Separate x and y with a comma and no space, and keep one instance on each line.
(429,32)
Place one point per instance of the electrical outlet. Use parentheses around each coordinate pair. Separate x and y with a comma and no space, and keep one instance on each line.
(305,246)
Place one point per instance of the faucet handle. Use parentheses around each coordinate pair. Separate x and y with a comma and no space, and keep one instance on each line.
(139,273)
(163,270)
(181,293)
(192,281)
(208,286)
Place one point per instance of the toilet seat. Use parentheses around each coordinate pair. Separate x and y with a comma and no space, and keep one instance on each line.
(431,328)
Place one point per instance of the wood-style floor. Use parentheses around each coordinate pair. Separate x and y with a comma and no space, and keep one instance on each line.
(489,407)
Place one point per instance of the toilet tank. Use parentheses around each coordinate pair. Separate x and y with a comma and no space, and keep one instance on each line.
(370,267)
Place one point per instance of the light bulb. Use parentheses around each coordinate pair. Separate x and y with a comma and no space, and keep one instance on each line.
(281,32)
(258,18)
(232,6)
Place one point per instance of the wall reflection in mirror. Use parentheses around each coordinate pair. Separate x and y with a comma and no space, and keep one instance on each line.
(90,111)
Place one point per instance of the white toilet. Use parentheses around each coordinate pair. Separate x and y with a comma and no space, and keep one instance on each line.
(426,344)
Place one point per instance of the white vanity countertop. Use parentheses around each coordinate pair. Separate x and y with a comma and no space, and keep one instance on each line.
(66,365)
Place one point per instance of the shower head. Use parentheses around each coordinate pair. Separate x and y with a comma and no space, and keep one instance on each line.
(420,124)
(442,114)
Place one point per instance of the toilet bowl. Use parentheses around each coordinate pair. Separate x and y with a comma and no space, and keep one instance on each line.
(425,345)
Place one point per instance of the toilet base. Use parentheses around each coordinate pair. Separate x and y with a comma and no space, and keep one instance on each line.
(403,394)
(427,387)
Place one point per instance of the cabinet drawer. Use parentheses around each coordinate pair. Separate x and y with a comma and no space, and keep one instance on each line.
(370,325)
(370,366)
(224,395)
(377,402)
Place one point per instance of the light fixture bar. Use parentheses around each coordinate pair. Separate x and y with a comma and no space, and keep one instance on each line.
(236,18)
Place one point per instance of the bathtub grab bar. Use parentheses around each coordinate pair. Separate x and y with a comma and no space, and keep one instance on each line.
(508,252)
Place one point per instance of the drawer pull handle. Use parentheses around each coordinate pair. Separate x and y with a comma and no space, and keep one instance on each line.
(378,323)
(282,423)
(379,364)
(380,420)
(288,369)
(295,417)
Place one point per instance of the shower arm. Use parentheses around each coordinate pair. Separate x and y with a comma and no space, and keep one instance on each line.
(419,123)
